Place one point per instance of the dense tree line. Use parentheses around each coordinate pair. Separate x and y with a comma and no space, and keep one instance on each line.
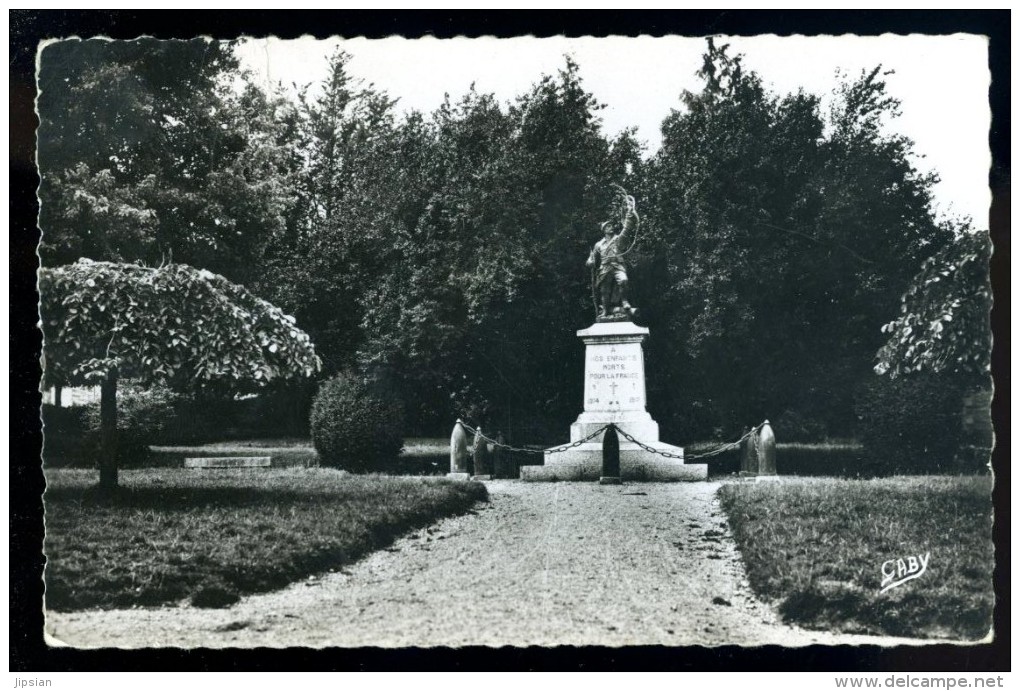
(442,254)
(782,240)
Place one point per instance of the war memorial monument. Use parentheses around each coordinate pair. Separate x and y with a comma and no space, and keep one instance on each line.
(614,380)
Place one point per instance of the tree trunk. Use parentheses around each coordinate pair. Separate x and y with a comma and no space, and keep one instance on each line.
(108,433)
(58,393)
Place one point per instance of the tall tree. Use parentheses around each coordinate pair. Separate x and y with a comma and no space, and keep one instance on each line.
(785,240)
(346,145)
(488,282)
(150,150)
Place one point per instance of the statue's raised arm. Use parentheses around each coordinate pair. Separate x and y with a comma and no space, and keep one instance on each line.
(629,218)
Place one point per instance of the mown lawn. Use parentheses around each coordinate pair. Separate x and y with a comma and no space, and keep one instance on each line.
(816,548)
(210,536)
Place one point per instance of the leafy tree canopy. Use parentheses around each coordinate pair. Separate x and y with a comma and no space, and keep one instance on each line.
(185,327)
(944,316)
(782,238)
(508,202)
(156,150)
(445,251)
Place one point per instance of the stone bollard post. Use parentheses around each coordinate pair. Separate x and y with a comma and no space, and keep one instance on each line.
(500,465)
(766,450)
(749,456)
(610,458)
(480,451)
(459,451)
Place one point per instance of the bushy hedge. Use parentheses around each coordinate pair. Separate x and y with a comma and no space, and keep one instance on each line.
(355,427)
(800,427)
(63,435)
(914,423)
(155,415)
(279,412)
(144,416)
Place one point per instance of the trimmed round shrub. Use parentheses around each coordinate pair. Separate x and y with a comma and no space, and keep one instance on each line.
(355,427)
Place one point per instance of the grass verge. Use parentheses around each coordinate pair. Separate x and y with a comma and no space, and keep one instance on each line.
(825,459)
(281,456)
(421,456)
(212,536)
(816,548)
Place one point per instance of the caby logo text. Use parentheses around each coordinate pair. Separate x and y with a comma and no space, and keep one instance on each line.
(896,572)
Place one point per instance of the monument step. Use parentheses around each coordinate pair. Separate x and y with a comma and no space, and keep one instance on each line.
(584,462)
(636,472)
(229,462)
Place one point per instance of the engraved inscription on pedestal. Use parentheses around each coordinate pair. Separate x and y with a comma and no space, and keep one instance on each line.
(614,393)
(614,378)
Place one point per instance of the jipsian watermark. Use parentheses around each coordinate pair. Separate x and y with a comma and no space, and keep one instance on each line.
(896,572)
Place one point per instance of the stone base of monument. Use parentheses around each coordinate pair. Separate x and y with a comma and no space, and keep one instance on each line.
(584,462)
(480,478)
(614,392)
(610,481)
(459,476)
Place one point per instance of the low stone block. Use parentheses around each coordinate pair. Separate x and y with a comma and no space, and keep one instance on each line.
(229,462)
(459,476)
(479,478)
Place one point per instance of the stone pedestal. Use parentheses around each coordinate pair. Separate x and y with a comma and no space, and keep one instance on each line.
(614,391)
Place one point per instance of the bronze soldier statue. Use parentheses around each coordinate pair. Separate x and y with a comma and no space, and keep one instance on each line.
(606,258)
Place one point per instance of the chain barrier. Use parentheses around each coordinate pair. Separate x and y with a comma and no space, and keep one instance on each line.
(519,449)
(644,446)
(732,445)
(560,449)
(714,452)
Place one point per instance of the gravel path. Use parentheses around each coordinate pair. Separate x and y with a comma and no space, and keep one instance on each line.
(541,564)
